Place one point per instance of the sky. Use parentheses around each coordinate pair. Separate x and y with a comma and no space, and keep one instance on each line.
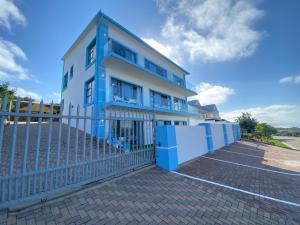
(243,55)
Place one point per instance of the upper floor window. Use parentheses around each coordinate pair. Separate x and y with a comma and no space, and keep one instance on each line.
(126,92)
(71,72)
(89,91)
(155,68)
(159,100)
(65,81)
(178,81)
(91,53)
(179,104)
(123,51)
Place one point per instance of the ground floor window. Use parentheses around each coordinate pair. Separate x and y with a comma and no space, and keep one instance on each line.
(163,122)
(181,123)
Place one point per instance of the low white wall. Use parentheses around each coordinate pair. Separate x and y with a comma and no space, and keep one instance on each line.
(191,142)
(217,135)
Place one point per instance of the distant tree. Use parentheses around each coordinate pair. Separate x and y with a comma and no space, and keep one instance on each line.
(5,90)
(247,122)
(264,130)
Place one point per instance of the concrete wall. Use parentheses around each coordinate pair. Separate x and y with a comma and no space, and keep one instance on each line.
(193,146)
(217,135)
(179,144)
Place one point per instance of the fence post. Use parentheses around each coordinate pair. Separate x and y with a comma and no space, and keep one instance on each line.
(166,148)
(225,134)
(209,139)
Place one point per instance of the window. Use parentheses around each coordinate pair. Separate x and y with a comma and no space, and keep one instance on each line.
(126,92)
(71,72)
(123,51)
(65,81)
(89,91)
(179,104)
(155,68)
(178,81)
(159,100)
(180,123)
(91,53)
(163,122)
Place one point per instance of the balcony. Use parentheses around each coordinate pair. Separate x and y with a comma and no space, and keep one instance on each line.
(122,58)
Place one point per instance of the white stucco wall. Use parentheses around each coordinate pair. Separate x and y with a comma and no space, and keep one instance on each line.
(191,142)
(217,135)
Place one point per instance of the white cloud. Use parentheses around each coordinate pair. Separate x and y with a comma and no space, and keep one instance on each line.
(275,115)
(212,94)
(164,49)
(286,80)
(290,80)
(25,93)
(9,13)
(9,68)
(211,30)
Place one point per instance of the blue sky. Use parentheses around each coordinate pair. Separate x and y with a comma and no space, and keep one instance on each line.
(242,55)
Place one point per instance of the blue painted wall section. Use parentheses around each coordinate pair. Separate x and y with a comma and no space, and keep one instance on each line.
(209,139)
(166,148)
(225,134)
(235,132)
(100,76)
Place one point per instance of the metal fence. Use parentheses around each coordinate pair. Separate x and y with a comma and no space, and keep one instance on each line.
(51,152)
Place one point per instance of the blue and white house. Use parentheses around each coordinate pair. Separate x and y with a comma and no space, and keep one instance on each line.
(110,66)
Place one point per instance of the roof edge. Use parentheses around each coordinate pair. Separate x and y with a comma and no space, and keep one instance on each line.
(101,14)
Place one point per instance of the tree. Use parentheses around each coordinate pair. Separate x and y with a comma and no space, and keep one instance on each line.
(247,123)
(264,130)
(5,90)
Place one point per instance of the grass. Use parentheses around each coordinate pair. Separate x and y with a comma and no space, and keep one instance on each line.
(265,140)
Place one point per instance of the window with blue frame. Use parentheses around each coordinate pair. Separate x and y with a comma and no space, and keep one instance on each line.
(123,51)
(163,122)
(89,91)
(180,123)
(158,100)
(155,68)
(71,72)
(126,92)
(65,81)
(178,81)
(179,104)
(91,53)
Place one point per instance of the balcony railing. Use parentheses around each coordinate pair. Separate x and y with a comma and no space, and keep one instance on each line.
(121,51)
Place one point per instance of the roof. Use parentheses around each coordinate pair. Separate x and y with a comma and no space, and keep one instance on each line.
(99,16)
(209,108)
(194,103)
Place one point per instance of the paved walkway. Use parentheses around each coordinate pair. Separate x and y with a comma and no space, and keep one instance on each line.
(153,196)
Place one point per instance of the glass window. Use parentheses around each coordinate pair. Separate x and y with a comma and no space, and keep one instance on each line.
(163,122)
(155,68)
(65,81)
(126,92)
(159,100)
(178,81)
(71,72)
(91,52)
(179,104)
(89,91)
(123,51)
(180,123)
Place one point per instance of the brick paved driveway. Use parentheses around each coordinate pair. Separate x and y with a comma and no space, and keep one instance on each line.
(153,196)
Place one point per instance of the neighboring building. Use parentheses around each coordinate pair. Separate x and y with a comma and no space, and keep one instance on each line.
(110,66)
(205,112)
